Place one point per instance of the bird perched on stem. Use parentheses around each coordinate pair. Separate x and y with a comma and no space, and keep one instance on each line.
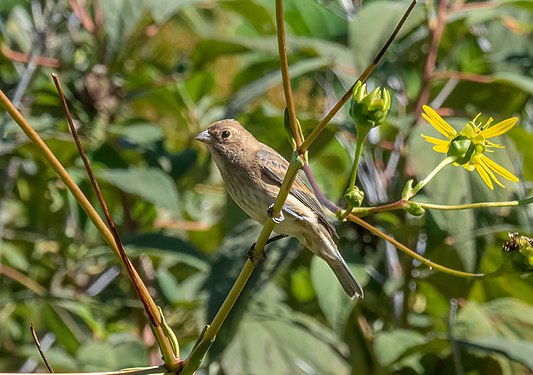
(253,173)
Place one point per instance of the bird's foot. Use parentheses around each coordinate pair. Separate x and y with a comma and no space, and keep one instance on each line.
(270,213)
(255,258)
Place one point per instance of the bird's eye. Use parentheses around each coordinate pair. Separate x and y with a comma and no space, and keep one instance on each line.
(225,134)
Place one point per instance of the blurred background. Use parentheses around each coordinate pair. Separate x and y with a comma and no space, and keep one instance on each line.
(144,77)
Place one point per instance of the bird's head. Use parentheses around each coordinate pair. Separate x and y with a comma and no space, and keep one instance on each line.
(229,140)
(226,137)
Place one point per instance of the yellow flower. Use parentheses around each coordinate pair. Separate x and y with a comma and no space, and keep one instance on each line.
(468,147)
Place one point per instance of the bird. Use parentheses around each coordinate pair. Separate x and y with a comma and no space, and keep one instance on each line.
(253,173)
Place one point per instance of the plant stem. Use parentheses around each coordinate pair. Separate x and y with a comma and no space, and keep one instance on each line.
(325,121)
(521,202)
(194,360)
(334,209)
(282,51)
(446,161)
(361,137)
(165,347)
(411,253)
(429,66)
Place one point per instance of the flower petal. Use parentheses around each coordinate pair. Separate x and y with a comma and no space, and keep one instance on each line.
(499,169)
(484,176)
(499,128)
(438,122)
(489,172)
(440,144)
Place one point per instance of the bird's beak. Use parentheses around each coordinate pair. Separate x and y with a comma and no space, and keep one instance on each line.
(205,137)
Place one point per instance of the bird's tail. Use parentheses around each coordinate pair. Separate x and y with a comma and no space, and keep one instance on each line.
(324,246)
(349,283)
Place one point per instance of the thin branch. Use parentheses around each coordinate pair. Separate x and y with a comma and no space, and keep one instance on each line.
(463,76)
(206,339)
(134,371)
(74,190)
(282,51)
(429,66)
(333,111)
(149,305)
(22,279)
(413,254)
(40,349)
(442,207)
(459,368)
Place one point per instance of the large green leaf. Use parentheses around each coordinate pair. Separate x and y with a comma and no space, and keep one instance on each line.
(390,346)
(373,26)
(333,301)
(274,339)
(150,184)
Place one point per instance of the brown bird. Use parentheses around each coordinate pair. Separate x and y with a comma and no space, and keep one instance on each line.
(253,173)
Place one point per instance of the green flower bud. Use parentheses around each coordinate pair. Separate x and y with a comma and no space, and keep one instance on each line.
(518,253)
(369,109)
(462,148)
(408,191)
(354,197)
(413,208)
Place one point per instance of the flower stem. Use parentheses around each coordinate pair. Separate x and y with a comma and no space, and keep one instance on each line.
(171,361)
(282,51)
(521,202)
(361,137)
(208,337)
(425,181)
(370,68)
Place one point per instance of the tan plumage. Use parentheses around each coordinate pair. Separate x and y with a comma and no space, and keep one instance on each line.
(253,173)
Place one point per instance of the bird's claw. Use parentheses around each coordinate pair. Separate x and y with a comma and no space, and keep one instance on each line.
(253,257)
(270,213)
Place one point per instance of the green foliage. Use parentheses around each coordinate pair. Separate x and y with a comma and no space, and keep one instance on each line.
(150,75)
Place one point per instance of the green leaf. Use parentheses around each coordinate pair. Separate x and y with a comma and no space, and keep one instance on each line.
(390,346)
(519,351)
(520,81)
(121,18)
(161,245)
(333,302)
(14,257)
(62,325)
(140,133)
(373,26)
(523,141)
(150,184)
(260,86)
(273,339)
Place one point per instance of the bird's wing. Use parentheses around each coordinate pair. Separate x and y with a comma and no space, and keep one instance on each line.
(271,162)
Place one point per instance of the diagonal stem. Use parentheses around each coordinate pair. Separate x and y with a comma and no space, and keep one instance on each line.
(82,200)
(336,108)
(282,51)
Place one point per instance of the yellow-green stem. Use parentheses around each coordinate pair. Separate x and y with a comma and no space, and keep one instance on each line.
(212,330)
(164,344)
(362,133)
(521,202)
(369,69)
(447,161)
(412,253)
(282,51)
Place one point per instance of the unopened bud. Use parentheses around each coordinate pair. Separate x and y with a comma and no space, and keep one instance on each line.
(413,208)
(369,109)
(354,197)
